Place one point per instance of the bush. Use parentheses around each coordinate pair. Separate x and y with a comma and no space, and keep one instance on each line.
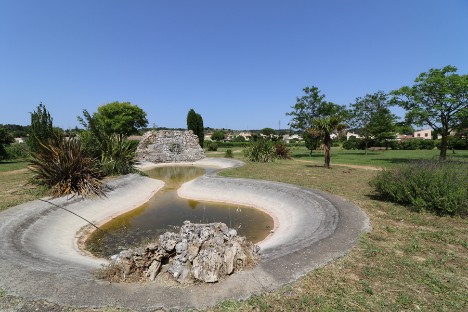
(260,151)
(61,165)
(437,186)
(229,154)
(212,147)
(119,157)
(350,144)
(427,144)
(282,150)
(17,150)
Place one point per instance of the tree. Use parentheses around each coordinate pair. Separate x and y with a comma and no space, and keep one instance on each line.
(195,123)
(311,141)
(319,118)
(268,132)
(218,136)
(439,98)
(41,129)
(373,118)
(122,119)
(5,138)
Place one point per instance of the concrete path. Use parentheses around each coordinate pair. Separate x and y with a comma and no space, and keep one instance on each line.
(39,257)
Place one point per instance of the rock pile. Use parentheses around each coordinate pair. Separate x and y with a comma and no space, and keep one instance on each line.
(199,252)
(169,146)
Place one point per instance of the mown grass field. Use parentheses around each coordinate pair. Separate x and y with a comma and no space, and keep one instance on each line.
(408,262)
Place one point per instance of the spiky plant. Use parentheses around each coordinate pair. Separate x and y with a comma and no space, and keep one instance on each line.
(61,164)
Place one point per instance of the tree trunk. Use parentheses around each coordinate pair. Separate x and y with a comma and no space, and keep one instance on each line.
(443,147)
(365,147)
(326,143)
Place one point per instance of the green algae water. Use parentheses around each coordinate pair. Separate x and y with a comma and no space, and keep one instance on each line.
(167,212)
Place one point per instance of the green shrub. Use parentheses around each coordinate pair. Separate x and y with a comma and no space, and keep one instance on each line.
(437,186)
(17,150)
(350,144)
(61,165)
(260,151)
(229,154)
(119,157)
(282,150)
(212,147)
(427,144)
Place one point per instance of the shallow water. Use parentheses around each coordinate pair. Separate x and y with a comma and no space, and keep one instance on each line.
(167,212)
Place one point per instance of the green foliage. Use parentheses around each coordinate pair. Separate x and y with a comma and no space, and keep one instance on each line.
(238,138)
(268,132)
(428,185)
(116,153)
(122,119)
(212,146)
(282,150)
(311,140)
(41,129)
(17,151)
(318,117)
(218,136)
(373,118)
(195,123)
(260,151)
(61,165)
(439,98)
(229,153)
(119,156)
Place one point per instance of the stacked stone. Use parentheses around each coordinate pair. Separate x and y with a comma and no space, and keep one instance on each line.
(169,146)
(203,252)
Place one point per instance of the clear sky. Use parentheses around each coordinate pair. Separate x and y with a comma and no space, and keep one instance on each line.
(240,64)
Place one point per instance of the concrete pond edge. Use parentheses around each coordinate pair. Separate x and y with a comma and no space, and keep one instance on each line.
(40,258)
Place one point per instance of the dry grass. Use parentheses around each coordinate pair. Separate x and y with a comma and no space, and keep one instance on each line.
(15,187)
(410,261)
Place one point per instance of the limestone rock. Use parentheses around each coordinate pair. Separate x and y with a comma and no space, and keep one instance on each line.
(169,146)
(203,252)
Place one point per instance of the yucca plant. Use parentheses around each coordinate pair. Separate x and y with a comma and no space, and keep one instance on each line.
(61,164)
(119,156)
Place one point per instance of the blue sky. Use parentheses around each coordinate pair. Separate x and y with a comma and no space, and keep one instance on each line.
(240,64)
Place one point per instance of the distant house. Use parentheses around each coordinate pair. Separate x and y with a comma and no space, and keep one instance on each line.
(287,137)
(423,134)
(352,134)
(19,140)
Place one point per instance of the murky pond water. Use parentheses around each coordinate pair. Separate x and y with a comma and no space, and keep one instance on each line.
(167,212)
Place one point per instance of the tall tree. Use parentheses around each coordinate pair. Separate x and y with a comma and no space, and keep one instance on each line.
(41,129)
(319,118)
(195,123)
(439,98)
(372,116)
(121,118)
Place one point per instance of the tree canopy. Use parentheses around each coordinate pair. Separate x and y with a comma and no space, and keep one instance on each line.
(218,136)
(372,116)
(41,128)
(195,123)
(319,118)
(439,99)
(121,118)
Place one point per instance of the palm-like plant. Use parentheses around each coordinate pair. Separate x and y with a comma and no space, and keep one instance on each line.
(324,127)
(61,164)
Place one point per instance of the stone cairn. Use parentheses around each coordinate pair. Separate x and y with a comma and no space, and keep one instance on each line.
(199,252)
(169,146)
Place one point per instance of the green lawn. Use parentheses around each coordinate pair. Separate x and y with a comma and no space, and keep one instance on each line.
(383,158)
